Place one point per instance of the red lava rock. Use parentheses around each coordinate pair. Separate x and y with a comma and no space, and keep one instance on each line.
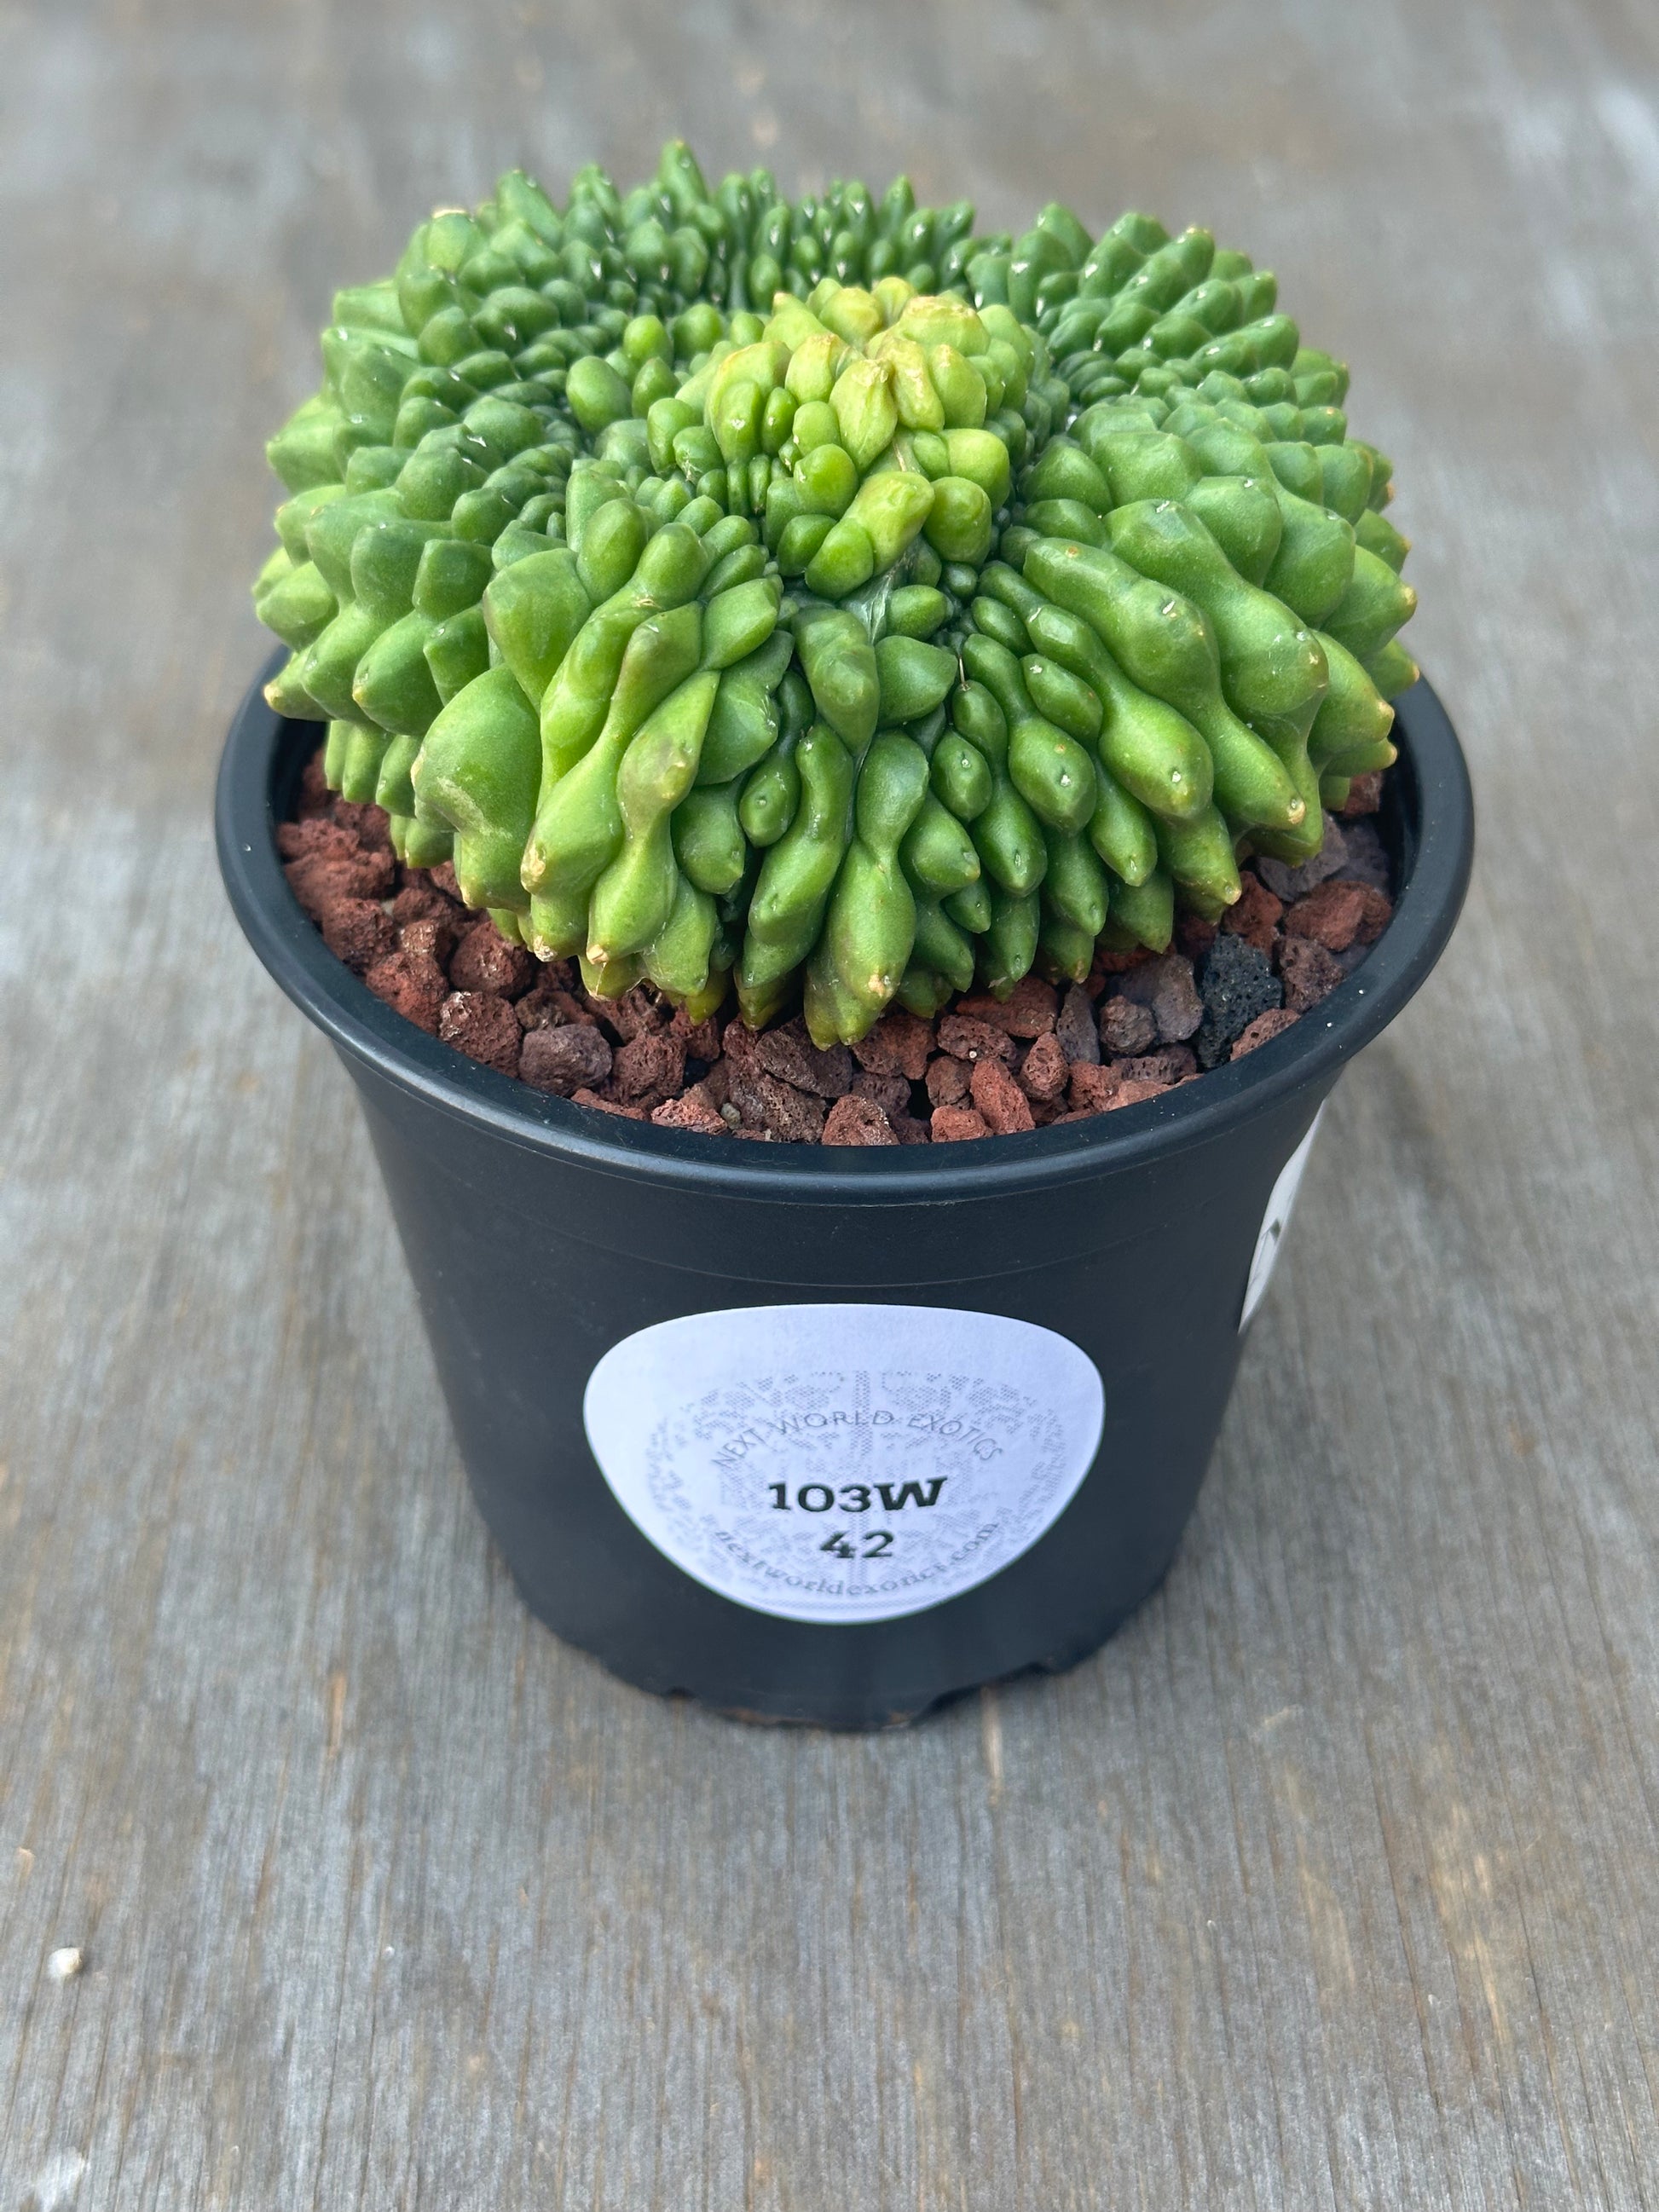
(1330,914)
(317,834)
(947,1080)
(420,900)
(890,1092)
(701,1039)
(729,1080)
(725,1076)
(357,930)
(898,1045)
(956,1124)
(794,1117)
(1364,796)
(433,938)
(377,871)
(965,1038)
(1311,972)
(995,1066)
(1194,936)
(548,1009)
(1378,914)
(762,1101)
(854,1120)
(565,1060)
(1174,1064)
(999,1099)
(1132,1093)
(638,1013)
(1093,1087)
(485,961)
(314,795)
(790,1055)
(738,1045)
(484,1028)
(1046,1071)
(319,878)
(1126,1027)
(1255,917)
(1166,988)
(1031,1009)
(607,1105)
(1075,1029)
(1273,1024)
(692,1109)
(412,984)
(370,824)
(549,1002)
(650,1067)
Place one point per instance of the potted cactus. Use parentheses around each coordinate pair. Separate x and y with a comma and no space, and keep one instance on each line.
(800,628)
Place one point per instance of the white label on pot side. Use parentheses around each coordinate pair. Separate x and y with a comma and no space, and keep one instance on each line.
(843,1462)
(1275,1221)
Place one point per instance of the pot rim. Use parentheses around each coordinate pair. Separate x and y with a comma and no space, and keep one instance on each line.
(261,759)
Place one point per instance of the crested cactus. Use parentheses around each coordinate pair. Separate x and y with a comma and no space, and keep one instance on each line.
(816,603)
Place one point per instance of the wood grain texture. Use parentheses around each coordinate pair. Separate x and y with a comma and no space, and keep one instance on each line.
(1333,1881)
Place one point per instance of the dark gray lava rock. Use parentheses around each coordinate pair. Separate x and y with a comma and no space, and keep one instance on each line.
(1237,983)
(1366,857)
(1292,883)
(1166,988)
(1075,1027)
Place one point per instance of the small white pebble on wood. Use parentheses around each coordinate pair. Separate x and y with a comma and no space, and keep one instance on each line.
(64,1965)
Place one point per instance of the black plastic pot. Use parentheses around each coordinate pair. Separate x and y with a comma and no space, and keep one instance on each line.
(919,1418)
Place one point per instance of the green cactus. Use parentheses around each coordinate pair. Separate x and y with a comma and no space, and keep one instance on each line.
(816,600)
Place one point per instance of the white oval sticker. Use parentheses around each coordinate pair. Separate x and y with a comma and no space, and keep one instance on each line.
(843,1462)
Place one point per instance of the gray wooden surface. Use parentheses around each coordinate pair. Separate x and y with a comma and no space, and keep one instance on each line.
(1333,1881)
